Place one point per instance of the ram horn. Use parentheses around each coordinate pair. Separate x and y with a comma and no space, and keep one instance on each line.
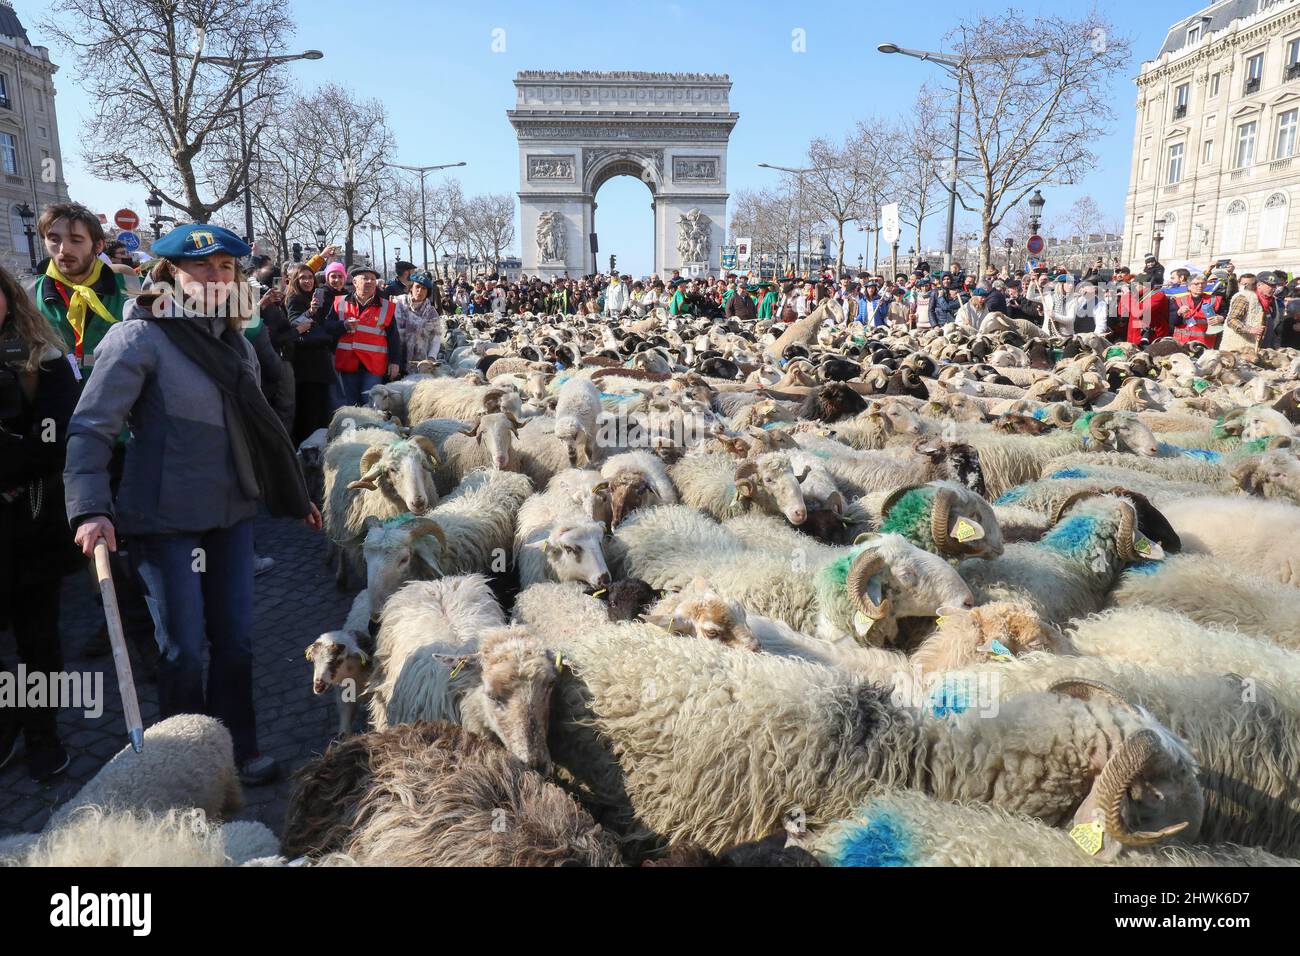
(941,519)
(1085,688)
(866,565)
(1099,427)
(422,526)
(1064,505)
(1124,534)
(893,498)
(472,431)
(1125,766)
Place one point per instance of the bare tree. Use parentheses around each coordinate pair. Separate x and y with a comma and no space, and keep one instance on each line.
(839,186)
(1029,121)
(443,207)
(353,153)
(162,112)
(402,211)
(494,216)
(916,179)
(768,218)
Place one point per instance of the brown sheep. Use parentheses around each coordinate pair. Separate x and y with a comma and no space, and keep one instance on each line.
(432,794)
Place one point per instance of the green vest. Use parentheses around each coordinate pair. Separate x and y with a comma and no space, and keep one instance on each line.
(676,305)
(765,307)
(111,289)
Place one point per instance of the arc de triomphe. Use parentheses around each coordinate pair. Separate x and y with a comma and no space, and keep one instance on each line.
(577,130)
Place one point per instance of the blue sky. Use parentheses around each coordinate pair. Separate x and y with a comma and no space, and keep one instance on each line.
(446,91)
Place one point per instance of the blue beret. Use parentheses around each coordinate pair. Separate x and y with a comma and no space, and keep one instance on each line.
(198,240)
(980,291)
(1064,277)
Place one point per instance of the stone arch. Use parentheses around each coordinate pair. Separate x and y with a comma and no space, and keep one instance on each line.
(577,130)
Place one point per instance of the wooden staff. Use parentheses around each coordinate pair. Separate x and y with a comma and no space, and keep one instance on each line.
(117,639)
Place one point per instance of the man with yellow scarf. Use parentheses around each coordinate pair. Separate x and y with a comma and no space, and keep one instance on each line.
(78,293)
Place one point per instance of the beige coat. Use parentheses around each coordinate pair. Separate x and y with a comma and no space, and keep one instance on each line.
(1245,325)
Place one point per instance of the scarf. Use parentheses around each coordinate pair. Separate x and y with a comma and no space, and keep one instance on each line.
(82,297)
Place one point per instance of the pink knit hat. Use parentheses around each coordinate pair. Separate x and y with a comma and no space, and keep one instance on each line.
(336,267)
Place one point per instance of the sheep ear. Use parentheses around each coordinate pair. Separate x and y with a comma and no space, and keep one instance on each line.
(310,648)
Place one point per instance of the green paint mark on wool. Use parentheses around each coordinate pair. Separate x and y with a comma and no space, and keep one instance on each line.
(910,516)
(836,574)
(1082,422)
(1255,446)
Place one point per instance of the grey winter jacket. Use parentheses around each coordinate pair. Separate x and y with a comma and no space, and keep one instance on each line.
(180,472)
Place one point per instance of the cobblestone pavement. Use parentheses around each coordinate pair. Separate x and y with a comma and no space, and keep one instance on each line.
(292,604)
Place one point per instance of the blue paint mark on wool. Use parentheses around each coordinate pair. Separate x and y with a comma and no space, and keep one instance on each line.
(1076,533)
(881,841)
(616,397)
(771,425)
(1040,414)
(1143,567)
(1203,454)
(1070,473)
(1012,496)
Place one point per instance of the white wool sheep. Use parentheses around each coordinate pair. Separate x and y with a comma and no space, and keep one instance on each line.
(541,454)
(860,591)
(486,442)
(555,540)
(1196,586)
(551,610)
(576,415)
(908,828)
(1151,637)
(458,398)
(649,466)
(1043,495)
(1255,536)
(472,529)
(859,473)
(95,836)
(374,473)
(1072,569)
(1207,472)
(1244,737)
(1271,474)
(342,659)
(187,761)
(350,418)
(717,746)
(723,487)
(393,398)
(443,653)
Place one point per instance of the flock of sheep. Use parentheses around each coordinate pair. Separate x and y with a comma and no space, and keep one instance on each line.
(676,592)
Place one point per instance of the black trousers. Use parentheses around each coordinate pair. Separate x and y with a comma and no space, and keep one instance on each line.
(311,409)
(35,619)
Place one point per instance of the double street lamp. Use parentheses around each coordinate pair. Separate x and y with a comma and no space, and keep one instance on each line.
(798,225)
(957,67)
(424,219)
(28,217)
(320,240)
(1036,204)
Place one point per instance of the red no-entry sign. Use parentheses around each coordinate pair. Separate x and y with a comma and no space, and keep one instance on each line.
(1034,244)
(126,219)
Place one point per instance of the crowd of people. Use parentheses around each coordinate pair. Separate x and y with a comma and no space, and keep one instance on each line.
(99,348)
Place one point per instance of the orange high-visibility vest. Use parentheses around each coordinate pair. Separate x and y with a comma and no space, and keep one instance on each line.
(368,346)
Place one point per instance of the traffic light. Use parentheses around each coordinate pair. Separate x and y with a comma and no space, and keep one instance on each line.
(297,252)
(613,264)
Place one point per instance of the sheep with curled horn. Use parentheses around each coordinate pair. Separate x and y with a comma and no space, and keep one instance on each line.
(1022,424)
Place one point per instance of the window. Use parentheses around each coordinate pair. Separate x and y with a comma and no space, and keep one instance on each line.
(1209,121)
(1207,151)
(1180,100)
(1254,72)
(1272,222)
(1214,85)
(1175,163)
(9,153)
(1193,34)
(1234,227)
(4,90)
(1286,127)
(1293,52)
(1146,167)
(1245,145)
(45,134)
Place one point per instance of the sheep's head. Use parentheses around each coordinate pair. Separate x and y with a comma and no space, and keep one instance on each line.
(1140,531)
(902,420)
(988,632)
(1021,424)
(385,399)
(700,611)
(1145,790)
(311,453)
(1271,474)
(945,518)
(1120,432)
(955,461)
(514,676)
(406,548)
(628,491)
(575,552)
(769,482)
(885,577)
(337,656)
(628,598)
(496,431)
(403,470)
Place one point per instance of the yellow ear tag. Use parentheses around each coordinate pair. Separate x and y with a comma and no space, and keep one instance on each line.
(456,670)
(598,593)
(559,661)
(1148,549)
(862,624)
(365,658)
(938,621)
(1088,836)
(963,530)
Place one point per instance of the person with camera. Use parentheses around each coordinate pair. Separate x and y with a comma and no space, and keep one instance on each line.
(38,391)
(317,329)
(370,346)
(205,448)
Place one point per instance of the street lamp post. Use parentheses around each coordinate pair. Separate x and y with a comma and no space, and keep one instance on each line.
(1036,204)
(1009,242)
(239,63)
(798,224)
(894,260)
(957,68)
(320,240)
(154,205)
(424,219)
(28,217)
(1157,236)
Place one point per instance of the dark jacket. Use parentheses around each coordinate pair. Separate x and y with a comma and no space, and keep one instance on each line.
(742,308)
(943,308)
(313,352)
(179,473)
(996,301)
(35,549)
